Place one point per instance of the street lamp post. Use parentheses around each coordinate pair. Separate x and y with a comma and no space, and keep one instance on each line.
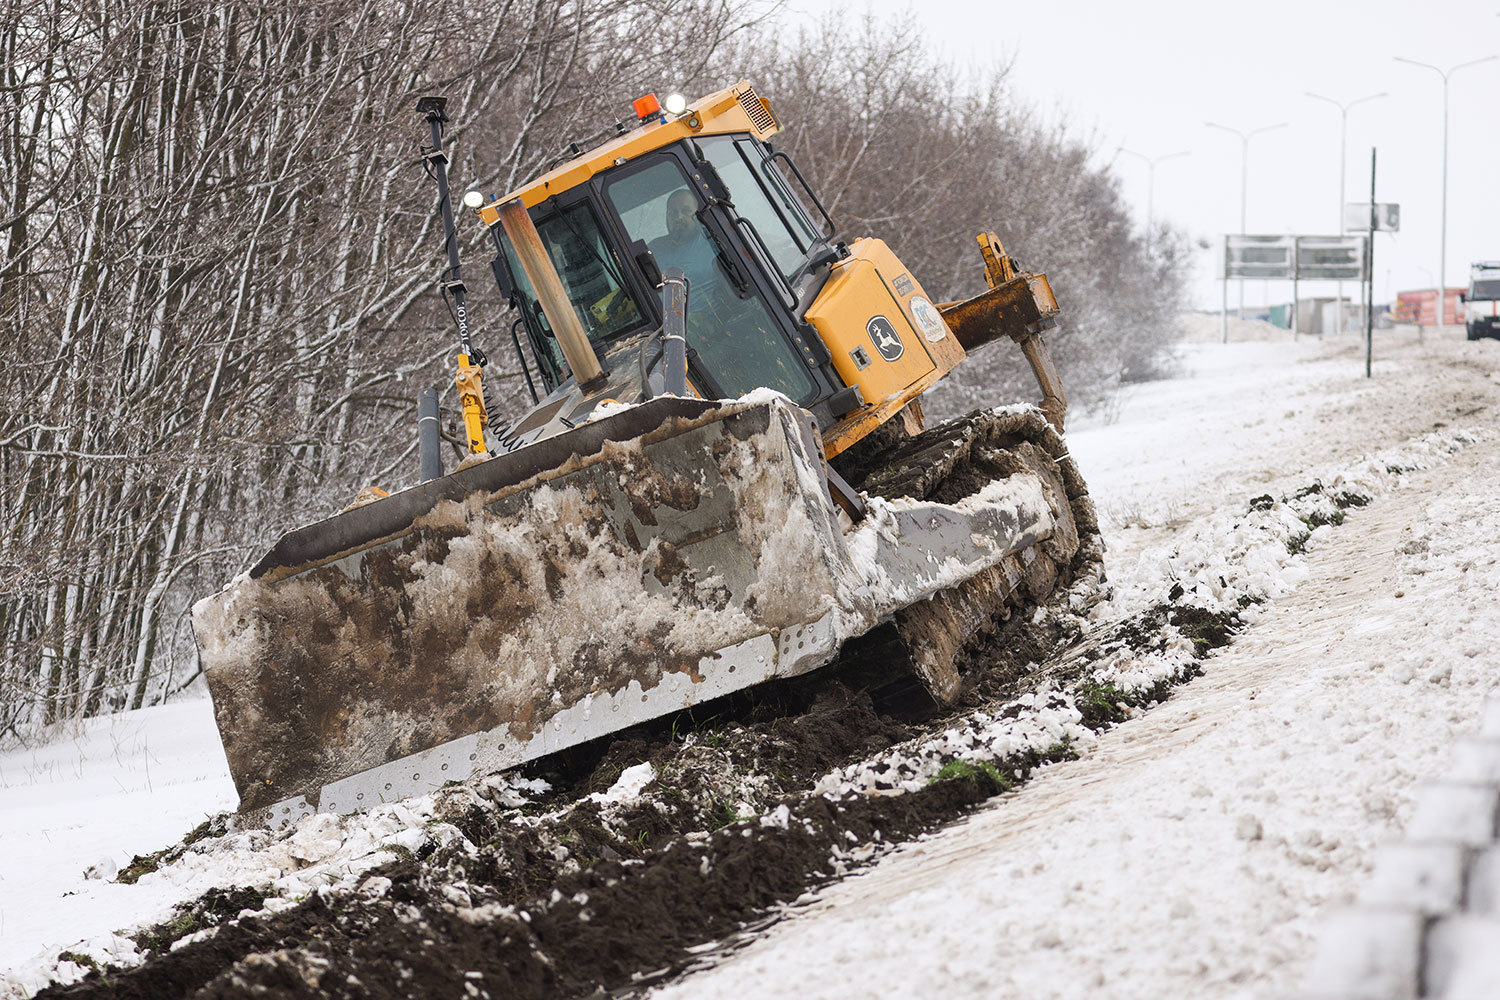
(1244,177)
(1343,148)
(1442,282)
(1151,184)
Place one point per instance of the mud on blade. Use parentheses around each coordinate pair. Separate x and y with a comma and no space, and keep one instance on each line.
(668,554)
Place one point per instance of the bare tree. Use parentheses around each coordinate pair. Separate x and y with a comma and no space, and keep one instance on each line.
(217,262)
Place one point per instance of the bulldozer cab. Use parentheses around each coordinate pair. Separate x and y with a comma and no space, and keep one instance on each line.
(719,209)
(739,323)
(774,302)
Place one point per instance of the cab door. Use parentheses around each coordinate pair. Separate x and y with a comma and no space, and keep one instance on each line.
(735,338)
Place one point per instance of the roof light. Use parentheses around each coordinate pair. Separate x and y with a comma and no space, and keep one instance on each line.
(646,107)
(676,104)
(473,199)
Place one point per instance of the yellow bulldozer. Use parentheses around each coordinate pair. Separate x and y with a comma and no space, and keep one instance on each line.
(725,476)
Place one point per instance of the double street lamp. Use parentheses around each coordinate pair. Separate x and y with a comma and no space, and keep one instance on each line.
(1244,176)
(1442,275)
(1343,148)
(1151,184)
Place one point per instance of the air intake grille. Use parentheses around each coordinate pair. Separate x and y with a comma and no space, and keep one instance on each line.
(759,116)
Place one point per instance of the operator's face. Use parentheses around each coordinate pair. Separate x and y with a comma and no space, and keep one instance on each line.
(680,220)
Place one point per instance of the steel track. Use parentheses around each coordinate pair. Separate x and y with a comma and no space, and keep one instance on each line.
(957,459)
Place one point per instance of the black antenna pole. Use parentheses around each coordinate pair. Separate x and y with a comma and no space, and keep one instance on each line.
(453,282)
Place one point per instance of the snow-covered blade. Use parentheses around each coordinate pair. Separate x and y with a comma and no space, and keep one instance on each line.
(660,556)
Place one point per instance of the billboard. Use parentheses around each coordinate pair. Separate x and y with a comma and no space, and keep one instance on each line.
(1295,258)
(1259,256)
(1420,307)
(1331,258)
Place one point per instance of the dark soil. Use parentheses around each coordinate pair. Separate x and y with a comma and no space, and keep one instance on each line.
(556,899)
(597,927)
(520,917)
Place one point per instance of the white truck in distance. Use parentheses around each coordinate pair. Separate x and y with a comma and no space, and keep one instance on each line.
(1482,300)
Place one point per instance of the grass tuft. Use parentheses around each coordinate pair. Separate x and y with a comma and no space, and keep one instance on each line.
(78,958)
(1101,704)
(978,771)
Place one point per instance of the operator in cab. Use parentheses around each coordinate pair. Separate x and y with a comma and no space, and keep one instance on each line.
(687,244)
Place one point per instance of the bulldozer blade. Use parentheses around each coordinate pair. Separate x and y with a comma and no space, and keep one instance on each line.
(664,555)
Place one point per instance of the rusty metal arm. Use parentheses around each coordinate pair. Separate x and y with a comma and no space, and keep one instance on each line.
(1019,305)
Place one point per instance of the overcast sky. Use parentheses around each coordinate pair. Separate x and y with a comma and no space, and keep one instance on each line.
(1147,76)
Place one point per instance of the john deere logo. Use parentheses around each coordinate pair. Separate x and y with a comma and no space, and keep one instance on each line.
(883,336)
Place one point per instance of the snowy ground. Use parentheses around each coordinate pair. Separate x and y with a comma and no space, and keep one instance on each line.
(1188,853)
(1192,851)
(102,792)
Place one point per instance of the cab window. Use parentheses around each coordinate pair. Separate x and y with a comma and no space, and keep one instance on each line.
(760,194)
(737,340)
(590,275)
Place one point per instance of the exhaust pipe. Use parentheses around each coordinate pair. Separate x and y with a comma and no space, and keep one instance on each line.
(429,440)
